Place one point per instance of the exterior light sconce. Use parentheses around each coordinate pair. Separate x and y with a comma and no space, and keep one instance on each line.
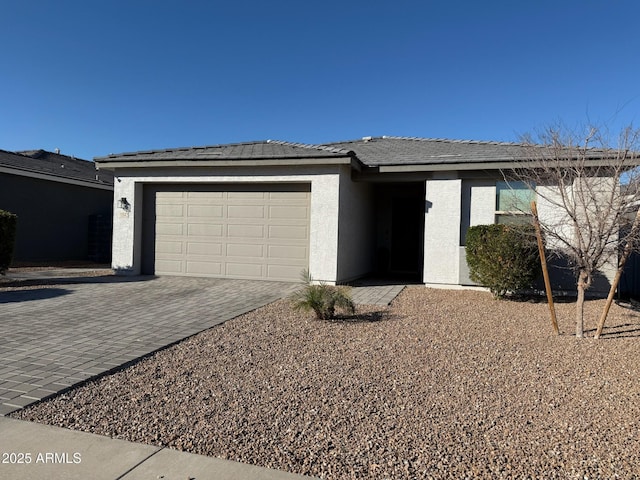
(124,204)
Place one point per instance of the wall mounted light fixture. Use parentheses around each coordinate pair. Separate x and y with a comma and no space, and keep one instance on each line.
(124,204)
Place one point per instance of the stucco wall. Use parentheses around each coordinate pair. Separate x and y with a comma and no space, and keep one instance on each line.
(551,215)
(442,231)
(342,228)
(478,205)
(478,208)
(53,217)
(325,193)
(356,234)
(556,218)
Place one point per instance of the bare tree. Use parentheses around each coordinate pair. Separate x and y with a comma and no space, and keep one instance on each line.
(585,211)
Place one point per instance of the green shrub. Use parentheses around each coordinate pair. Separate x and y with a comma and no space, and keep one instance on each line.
(7,239)
(322,298)
(504,258)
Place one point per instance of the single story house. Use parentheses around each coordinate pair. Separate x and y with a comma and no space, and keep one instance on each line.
(269,209)
(63,204)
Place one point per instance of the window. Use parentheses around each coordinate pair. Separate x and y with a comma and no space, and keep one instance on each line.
(513,202)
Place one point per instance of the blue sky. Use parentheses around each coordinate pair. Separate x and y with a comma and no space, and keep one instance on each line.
(94,78)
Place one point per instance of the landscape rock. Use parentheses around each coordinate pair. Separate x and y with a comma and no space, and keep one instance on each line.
(444,384)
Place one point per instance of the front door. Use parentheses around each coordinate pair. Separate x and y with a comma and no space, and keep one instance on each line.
(407,224)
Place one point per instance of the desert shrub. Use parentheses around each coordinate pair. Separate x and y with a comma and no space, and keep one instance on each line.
(322,298)
(7,239)
(504,258)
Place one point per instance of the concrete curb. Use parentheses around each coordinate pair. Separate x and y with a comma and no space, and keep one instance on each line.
(34,451)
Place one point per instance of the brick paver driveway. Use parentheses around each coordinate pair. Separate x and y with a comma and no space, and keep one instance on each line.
(54,337)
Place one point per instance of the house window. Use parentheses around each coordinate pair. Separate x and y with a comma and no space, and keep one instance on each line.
(513,202)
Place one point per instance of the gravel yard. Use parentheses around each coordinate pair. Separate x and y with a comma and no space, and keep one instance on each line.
(442,384)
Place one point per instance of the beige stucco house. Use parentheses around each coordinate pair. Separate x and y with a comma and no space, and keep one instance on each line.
(269,209)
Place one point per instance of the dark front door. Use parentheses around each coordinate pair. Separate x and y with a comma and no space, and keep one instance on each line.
(407,224)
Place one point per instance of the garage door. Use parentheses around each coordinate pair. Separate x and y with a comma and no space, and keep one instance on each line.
(235,231)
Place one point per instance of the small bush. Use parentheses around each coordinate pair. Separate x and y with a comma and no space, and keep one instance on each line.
(7,239)
(322,298)
(504,258)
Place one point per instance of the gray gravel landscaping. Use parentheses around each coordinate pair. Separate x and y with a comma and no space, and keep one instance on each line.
(442,384)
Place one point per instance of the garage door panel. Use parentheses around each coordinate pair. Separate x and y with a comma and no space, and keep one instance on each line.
(205,211)
(204,248)
(283,272)
(245,231)
(288,212)
(168,247)
(168,196)
(170,210)
(204,268)
(288,232)
(288,252)
(245,250)
(205,229)
(302,196)
(205,196)
(243,196)
(239,231)
(170,267)
(244,270)
(170,229)
(245,211)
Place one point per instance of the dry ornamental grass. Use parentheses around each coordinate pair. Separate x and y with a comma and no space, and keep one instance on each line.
(442,384)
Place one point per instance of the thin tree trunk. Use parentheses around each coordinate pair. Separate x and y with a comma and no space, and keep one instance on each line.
(582,285)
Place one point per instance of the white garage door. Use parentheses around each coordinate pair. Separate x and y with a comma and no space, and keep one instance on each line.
(235,231)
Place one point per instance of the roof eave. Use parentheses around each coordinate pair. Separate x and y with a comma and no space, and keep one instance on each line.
(494,165)
(108,164)
(55,178)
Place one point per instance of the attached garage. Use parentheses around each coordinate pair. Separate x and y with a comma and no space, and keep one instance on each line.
(257,210)
(252,231)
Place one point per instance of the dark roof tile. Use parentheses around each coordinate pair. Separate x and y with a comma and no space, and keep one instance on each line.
(370,151)
(56,165)
(268,149)
(379,151)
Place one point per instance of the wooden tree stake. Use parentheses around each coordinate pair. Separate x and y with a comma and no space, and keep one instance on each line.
(616,280)
(545,271)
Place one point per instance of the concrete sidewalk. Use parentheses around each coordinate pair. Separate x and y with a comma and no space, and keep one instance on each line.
(381,295)
(34,451)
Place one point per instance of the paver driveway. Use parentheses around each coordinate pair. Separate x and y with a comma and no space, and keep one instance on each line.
(54,337)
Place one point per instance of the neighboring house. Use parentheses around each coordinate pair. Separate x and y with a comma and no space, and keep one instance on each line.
(64,206)
(268,210)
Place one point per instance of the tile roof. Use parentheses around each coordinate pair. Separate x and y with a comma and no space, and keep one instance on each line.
(56,165)
(267,149)
(385,151)
(379,151)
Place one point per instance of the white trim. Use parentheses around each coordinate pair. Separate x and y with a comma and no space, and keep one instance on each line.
(493,165)
(267,162)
